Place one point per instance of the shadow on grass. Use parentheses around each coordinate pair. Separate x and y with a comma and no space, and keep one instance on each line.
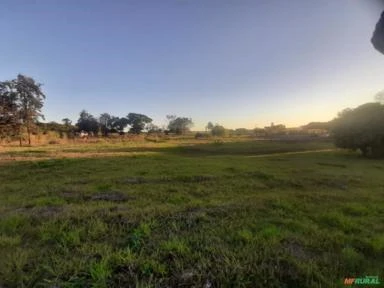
(222,148)
(249,148)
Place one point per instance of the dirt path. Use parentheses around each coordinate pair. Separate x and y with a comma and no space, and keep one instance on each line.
(291,153)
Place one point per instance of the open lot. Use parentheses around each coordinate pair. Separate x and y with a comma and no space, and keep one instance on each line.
(189,214)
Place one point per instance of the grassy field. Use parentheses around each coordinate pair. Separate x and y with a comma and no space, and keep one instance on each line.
(189,214)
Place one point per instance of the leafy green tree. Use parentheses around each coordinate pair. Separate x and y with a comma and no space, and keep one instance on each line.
(105,121)
(170,117)
(31,100)
(113,124)
(137,122)
(179,125)
(87,122)
(119,124)
(152,128)
(209,126)
(67,122)
(68,128)
(361,129)
(9,110)
(22,100)
(218,130)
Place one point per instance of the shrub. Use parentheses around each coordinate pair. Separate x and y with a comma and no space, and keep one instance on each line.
(361,128)
(218,130)
(200,135)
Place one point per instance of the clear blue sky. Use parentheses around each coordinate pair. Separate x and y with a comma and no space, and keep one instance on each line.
(241,63)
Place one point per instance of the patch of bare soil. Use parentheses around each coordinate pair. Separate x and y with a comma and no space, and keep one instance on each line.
(72,195)
(296,250)
(183,179)
(113,196)
(48,211)
(41,212)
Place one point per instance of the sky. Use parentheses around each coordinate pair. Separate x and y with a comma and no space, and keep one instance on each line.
(239,63)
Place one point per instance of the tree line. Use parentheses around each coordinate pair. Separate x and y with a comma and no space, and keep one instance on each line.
(106,124)
(22,99)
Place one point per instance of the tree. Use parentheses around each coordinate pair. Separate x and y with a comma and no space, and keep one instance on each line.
(119,124)
(31,99)
(179,125)
(379,97)
(105,121)
(112,124)
(242,131)
(23,99)
(68,128)
(361,129)
(378,35)
(137,122)
(279,129)
(152,128)
(67,122)
(9,110)
(87,122)
(170,117)
(209,126)
(218,130)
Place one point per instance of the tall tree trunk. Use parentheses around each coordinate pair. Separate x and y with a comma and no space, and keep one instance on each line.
(20,140)
(20,135)
(29,134)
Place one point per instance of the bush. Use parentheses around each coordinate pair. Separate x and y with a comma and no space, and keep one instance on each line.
(200,135)
(218,131)
(361,129)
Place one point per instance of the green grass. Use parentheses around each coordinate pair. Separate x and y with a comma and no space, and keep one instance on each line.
(189,216)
